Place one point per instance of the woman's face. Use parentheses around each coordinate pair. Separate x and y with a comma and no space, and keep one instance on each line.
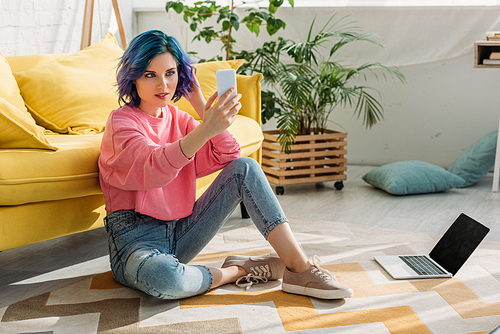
(157,85)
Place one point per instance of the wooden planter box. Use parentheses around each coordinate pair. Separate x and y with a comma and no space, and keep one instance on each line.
(314,158)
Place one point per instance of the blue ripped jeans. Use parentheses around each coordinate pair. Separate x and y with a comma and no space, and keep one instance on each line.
(151,255)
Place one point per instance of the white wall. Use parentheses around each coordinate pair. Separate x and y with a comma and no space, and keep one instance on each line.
(443,109)
(445,106)
(30,27)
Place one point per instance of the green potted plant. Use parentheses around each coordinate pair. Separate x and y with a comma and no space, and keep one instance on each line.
(228,21)
(306,88)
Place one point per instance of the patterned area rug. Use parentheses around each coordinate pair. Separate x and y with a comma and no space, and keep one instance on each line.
(467,303)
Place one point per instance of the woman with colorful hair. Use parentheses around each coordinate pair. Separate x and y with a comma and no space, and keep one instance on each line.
(151,155)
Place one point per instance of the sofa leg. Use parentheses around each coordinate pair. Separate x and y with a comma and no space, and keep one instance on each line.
(244,212)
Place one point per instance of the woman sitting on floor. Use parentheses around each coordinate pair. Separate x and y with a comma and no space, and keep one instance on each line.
(151,155)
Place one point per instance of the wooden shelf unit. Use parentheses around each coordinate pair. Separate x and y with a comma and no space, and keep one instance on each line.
(482,50)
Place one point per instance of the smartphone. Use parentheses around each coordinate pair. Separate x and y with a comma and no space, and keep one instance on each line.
(225,80)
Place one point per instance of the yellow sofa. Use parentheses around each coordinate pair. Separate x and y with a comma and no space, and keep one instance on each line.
(53,109)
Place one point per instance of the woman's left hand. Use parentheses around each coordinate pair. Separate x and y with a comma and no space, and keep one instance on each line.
(195,87)
(196,98)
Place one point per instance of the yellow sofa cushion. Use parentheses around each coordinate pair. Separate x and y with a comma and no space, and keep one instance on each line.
(205,73)
(75,94)
(21,63)
(19,131)
(28,176)
(8,86)
(247,133)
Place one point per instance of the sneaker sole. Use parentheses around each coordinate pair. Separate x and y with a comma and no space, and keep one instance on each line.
(317,293)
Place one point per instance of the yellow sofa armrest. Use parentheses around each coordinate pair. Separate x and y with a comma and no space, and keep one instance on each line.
(249,88)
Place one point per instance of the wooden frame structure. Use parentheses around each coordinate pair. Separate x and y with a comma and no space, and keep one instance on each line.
(87,23)
(314,158)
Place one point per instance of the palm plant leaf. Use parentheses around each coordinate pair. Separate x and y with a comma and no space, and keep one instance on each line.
(375,68)
(287,123)
(297,82)
(306,52)
(369,106)
(266,60)
(349,37)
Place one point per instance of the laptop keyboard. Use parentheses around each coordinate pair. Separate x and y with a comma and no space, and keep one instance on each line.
(422,265)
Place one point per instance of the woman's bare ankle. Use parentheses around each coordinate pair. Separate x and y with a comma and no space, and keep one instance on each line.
(299,267)
(226,275)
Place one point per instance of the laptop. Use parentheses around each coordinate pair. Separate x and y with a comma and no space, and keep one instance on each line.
(445,259)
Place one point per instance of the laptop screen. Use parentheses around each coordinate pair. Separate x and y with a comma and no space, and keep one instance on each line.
(458,243)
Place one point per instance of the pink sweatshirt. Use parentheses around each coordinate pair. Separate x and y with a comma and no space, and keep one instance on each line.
(142,167)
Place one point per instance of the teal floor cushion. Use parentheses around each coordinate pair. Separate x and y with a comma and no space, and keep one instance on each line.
(412,177)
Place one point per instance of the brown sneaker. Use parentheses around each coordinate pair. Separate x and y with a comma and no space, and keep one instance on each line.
(259,268)
(315,282)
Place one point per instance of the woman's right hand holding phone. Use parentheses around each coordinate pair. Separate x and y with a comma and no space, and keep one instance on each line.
(219,116)
(216,118)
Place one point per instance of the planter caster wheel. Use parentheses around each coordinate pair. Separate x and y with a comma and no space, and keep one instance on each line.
(280,190)
(339,185)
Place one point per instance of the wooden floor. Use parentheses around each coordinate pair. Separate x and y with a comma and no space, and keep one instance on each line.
(34,269)
(360,203)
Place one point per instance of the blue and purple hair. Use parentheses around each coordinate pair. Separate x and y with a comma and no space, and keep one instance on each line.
(137,57)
